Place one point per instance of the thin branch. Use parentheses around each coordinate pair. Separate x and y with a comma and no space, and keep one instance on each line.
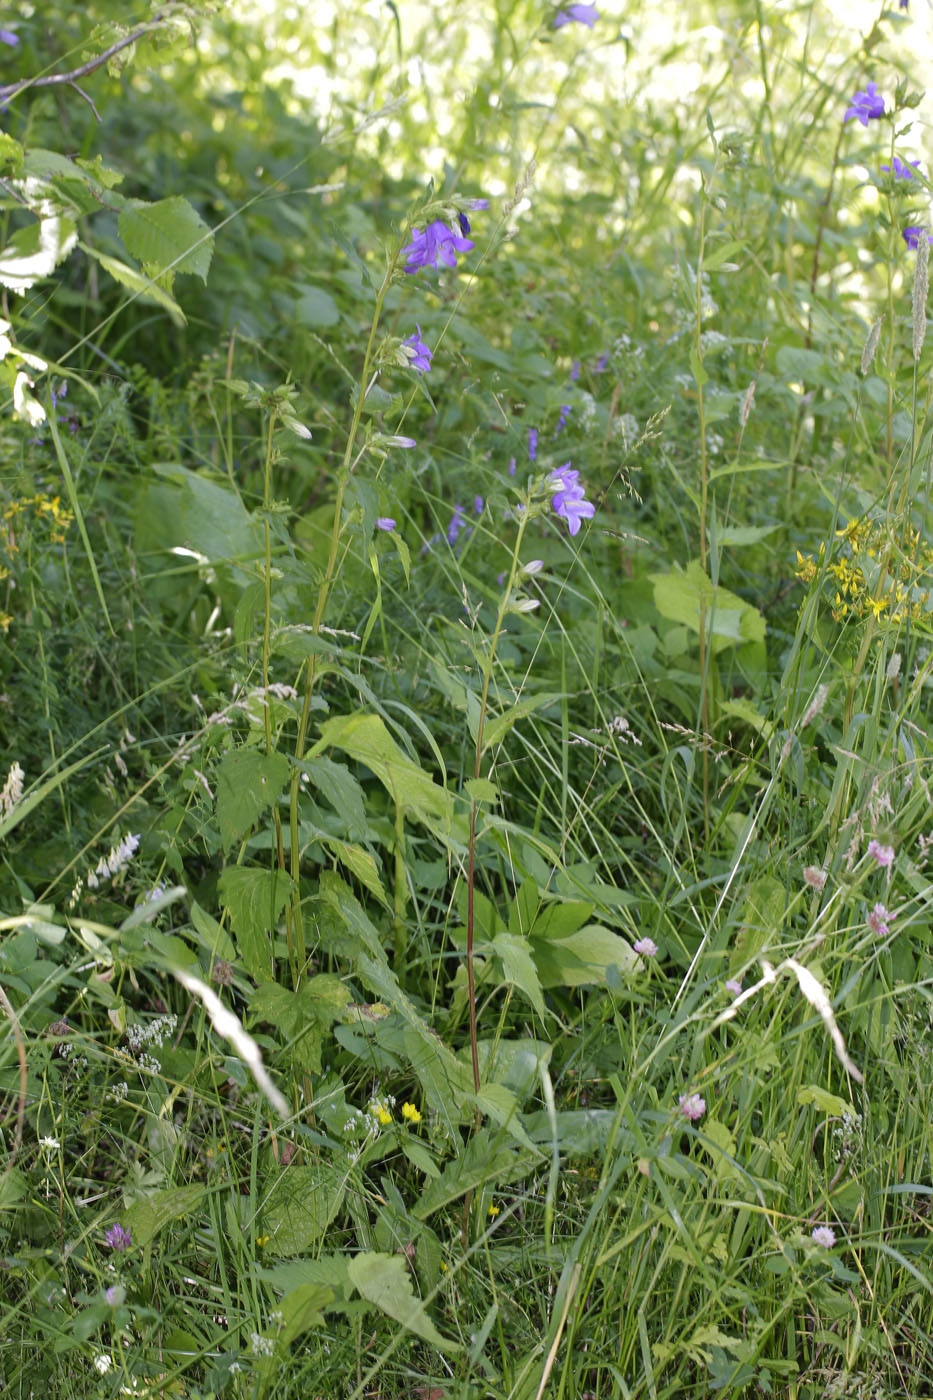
(70,79)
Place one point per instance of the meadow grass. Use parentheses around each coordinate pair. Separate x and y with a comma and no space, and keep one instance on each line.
(464,913)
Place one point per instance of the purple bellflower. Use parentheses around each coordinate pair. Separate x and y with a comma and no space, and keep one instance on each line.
(562,418)
(913,234)
(532,443)
(422,357)
(866,105)
(8,37)
(581,14)
(903,169)
(385,522)
(570,498)
(438,241)
(905,4)
(457,522)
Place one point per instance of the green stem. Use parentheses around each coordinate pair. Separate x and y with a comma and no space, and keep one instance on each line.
(324,592)
(471,861)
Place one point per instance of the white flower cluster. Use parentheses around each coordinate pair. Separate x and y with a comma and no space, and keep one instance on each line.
(114,863)
(261,1346)
(150,1032)
(12,790)
(620,727)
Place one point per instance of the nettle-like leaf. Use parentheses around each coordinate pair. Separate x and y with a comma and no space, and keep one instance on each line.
(167,237)
(248,782)
(303,1017)
(254,900)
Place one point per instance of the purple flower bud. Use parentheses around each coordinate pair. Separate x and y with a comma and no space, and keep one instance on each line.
(8,37)
(532,443)
(385,522)
(478,504)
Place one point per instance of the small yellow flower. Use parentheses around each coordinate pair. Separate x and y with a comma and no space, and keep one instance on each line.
(262,1240)
(493,1211)
(411,1113)
(384,1116)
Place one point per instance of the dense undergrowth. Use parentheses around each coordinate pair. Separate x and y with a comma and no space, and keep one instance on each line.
(465,556)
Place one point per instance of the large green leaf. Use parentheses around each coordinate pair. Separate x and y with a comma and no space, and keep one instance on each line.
(298,1207)
(729,620)
(168,236)
(248,782)
(366,739)
(136,281)
(582,958)
(384,1279)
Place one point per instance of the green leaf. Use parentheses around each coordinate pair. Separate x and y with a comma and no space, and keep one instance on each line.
(137,282)
(11,155)
(729,620)
(484,1160)
(248,782)
(211,935)
(582,958)
(146,1218)
(360,863)
(518,967)
(254,899)
(384,1279)
(366,739)
(496,729)
(825,1101)
(303,1017)
(298,1207)
(167,236)
(302,1309)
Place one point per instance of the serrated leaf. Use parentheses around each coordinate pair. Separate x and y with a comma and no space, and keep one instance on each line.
(248,782)
(254,900)
(169,235)
(384,1279)
(299,1206)
(303,1017)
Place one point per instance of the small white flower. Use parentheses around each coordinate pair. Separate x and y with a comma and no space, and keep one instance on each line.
(12,790)
(49,1144)
(103,1363)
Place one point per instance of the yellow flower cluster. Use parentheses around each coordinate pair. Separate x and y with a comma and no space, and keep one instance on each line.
(876,573)
(16,519)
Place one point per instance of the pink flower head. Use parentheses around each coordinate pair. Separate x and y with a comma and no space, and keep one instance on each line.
(814,877)
(646,947)
(823,1236)
(878,921)
(734,986)
(692,1106)
(883,855)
